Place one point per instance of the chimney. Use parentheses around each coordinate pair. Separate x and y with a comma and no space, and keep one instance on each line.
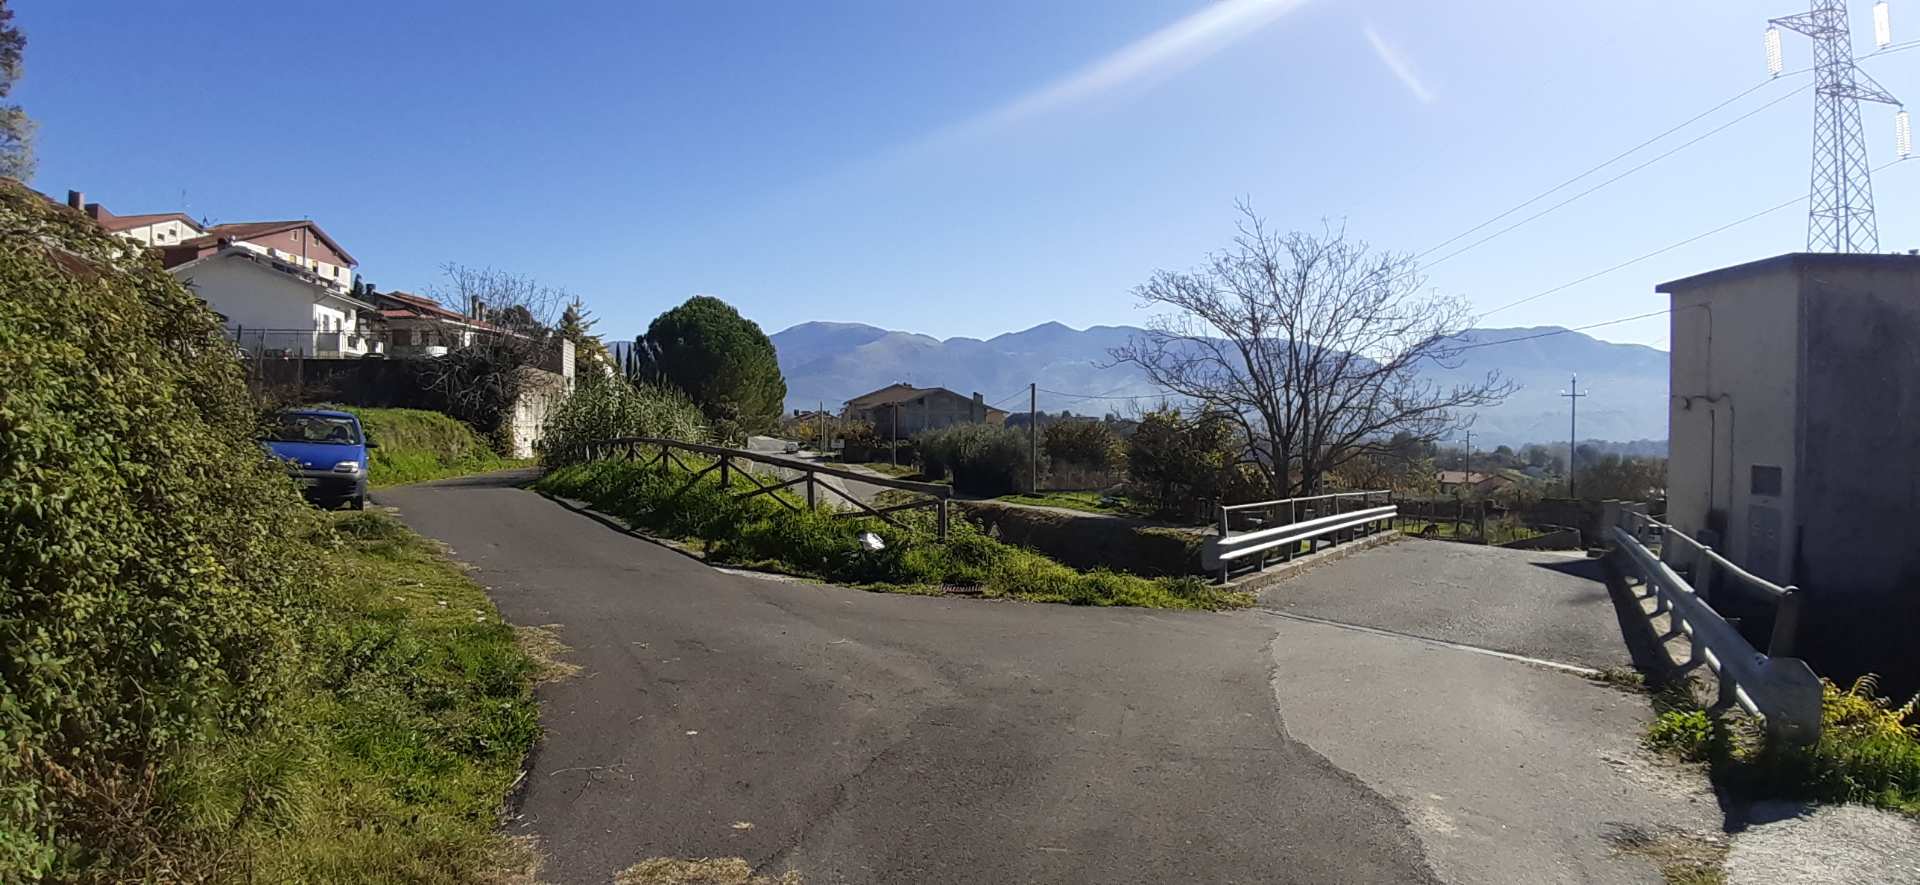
(76,200)
(479,309)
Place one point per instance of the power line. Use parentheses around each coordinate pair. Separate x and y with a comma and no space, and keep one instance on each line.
(1638,316)
(1664,249)
(1657,158)
(1104,396)
(1608,162)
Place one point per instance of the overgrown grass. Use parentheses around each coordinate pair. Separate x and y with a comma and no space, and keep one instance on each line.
(1869,750)
(416,445)
(1086,502)
(762,533)
(419,713)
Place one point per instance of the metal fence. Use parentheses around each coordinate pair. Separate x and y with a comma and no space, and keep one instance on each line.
(660,453)
(1307,521)
(1772,685)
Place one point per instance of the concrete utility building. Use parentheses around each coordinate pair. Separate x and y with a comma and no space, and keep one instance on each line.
(1794,425)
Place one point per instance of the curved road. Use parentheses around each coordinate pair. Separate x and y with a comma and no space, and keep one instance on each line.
(870,737)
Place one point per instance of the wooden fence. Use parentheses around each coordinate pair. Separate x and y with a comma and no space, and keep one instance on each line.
(660,453)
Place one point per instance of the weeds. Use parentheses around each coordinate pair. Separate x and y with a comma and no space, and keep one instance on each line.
(1868,752)
(765,533)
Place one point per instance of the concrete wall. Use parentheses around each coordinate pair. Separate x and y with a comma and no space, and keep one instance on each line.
(541,392)
(1732,396)
(1860,474)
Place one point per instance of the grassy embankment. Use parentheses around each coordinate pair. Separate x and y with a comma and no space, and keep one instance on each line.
(1086,502)
(418,714)
(416,445)
(762,533)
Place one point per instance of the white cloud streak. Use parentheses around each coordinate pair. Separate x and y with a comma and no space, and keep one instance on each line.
(1399,65)
(1178,45)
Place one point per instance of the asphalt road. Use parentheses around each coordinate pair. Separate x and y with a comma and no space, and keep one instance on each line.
(865,737)
(1542,604)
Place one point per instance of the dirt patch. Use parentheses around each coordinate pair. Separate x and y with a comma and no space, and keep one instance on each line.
(702,871)
(543,645)
(517,862)
(1683,858)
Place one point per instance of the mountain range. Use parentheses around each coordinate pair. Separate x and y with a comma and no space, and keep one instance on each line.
(832,362)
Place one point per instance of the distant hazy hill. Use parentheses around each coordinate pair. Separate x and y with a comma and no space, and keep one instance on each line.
(831,362)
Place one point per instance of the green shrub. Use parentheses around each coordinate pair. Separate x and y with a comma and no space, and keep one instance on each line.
(202,680)
(762,532)
(1090,444)
(153,567)
(603,408)
(1869,751)
(1181,466)
(983,459)
(1689,734)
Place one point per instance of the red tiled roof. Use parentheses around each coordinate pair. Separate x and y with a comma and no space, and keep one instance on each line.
(411,306)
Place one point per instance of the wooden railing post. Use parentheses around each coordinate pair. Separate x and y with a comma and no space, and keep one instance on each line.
(725,466)
(943,519)
(810,492)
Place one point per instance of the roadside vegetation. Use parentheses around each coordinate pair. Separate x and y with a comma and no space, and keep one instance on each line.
(204,678)
(1868,752)
(416,445)
(605,407)
(762,533)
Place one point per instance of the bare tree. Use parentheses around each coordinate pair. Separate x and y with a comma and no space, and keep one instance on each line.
(1313,345)
(507,328)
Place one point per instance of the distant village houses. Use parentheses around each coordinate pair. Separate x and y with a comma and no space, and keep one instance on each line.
(288,297)
(906,410)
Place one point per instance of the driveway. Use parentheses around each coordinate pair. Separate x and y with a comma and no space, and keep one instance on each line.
(868,737)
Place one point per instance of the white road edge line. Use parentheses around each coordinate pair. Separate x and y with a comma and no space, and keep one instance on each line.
(1538,662)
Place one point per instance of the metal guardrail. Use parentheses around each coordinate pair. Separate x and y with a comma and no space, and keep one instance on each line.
(1774,686)
(1222,552)
(723,462)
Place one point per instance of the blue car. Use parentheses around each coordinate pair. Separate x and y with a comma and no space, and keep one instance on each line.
(326,451)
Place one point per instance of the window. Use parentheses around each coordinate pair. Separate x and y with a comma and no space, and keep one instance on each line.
(402,337)
(1766,480)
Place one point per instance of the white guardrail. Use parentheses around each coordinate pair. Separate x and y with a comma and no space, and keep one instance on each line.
(1774,686)
(1352,515)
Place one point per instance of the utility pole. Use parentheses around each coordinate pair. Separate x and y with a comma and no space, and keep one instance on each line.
(1033,432)
(1573,429)
(893,445)
(825,448)
(1469,456)
(1840,208)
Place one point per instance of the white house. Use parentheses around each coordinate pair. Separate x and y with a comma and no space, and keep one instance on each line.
(276,307)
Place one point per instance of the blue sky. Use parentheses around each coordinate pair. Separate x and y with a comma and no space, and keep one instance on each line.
(963,168)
